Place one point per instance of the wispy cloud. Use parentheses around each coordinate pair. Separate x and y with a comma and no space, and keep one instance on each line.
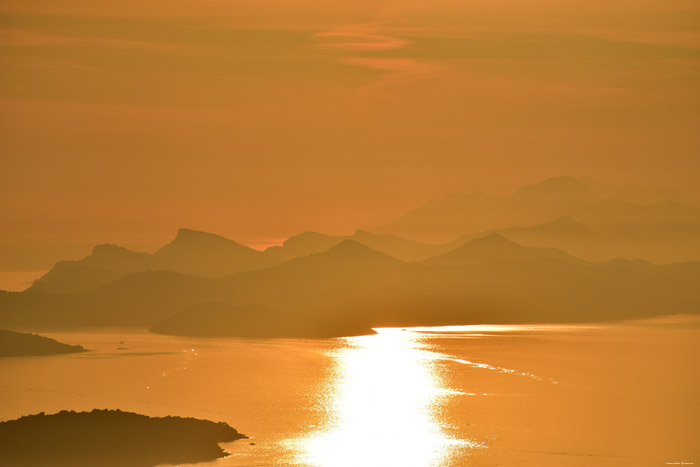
(358,40)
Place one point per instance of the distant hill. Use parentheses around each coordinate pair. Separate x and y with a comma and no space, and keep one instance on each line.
(106,263)
(491,280)
(398,247)
(303,244)
(557,250)
(110,438)
(206,254)
(308,243)
(446,218)
(191,252)
(495,247)
(563,233)
(459,214)
(18,344)
(569,235)
(74,279)
(557,192)
(637,194)
(351,288)
(135,300)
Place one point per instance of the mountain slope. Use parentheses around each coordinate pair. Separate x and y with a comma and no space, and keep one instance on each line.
(206,254)
(495,247)
(662,232)
(191,252)
(351,287)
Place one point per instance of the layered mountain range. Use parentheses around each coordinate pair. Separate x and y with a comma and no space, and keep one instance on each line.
(557,251)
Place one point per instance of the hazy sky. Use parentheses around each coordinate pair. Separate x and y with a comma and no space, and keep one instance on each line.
(123,120)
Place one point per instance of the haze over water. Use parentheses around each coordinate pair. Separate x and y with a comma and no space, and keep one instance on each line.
(613,394)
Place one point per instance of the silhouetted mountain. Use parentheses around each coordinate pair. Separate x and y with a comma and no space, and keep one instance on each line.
(303,244)
(215,319)
(560,227)
(563,226)
(110,438)
(661,232)
(16,344)
(562,191)
(637,194)
(206,254)
(106,263)
(343,283)
(352,287)
(142,298)
(443,219)
(490,280)
(73,279)
(191,252)
(495,247)
(311,242)
(317,285)
(347,257)
(563,233)
(139,299)
(401,248)
(116,258)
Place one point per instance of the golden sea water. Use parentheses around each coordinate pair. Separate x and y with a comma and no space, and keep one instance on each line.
(607,394)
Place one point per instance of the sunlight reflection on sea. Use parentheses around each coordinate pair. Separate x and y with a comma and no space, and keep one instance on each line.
(383,407)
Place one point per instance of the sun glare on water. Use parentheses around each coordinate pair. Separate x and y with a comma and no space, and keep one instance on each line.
(383,410)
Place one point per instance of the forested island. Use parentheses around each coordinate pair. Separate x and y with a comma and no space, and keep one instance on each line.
(110,438)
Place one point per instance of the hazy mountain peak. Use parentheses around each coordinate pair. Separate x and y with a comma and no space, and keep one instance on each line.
(492,239)
(114,257)
(190,240)
(563,189)
(305,237)
(108,249)
(198,235)
(350,245)
(496,247)
(354,250)
(206,254)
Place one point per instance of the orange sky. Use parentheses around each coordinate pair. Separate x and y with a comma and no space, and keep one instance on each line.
(123,120)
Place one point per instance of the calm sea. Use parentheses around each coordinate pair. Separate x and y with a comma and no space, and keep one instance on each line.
(601,395)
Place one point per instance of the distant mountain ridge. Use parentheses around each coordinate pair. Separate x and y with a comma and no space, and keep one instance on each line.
(191,252)
(458,214)
(496,247)
(663,232)
(351,287)
(563,267)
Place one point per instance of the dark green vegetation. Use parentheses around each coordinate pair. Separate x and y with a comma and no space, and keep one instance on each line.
(110,438)
(17,344)
(556,269)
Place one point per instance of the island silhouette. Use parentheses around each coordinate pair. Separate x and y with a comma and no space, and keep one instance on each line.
(110,438)
(19,344)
